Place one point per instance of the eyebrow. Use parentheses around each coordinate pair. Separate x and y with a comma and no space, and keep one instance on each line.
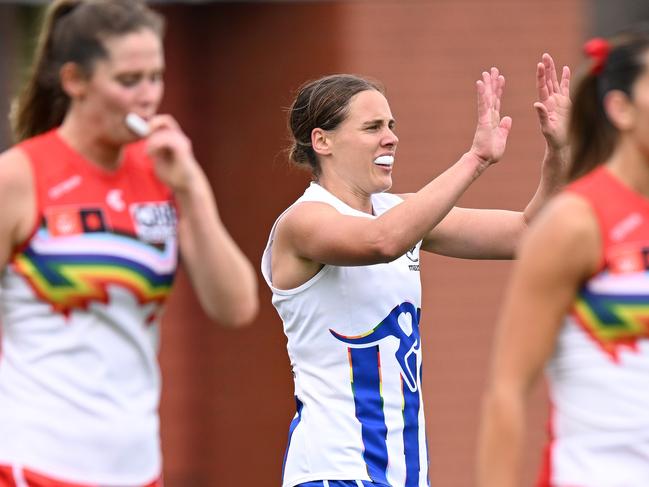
(378,121)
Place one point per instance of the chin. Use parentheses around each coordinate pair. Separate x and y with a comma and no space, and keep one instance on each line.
(383,186)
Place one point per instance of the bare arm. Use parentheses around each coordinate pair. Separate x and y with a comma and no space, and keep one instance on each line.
(320,233)
(553,110)
(560,252)
(471,233)
(221,275)
(495,234)
(312,234)
(17,200)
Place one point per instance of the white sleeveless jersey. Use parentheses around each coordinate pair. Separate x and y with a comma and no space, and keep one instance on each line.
(355,352)
(599,373)
(80,303)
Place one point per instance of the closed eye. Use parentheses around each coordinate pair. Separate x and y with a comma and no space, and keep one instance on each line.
(128,80)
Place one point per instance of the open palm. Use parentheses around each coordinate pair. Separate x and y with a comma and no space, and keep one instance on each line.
(491,132)
(553,107)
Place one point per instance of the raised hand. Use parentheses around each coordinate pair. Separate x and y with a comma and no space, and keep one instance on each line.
(491,133)
(553,107)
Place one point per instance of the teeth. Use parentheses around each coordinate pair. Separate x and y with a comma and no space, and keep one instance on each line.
(384,160)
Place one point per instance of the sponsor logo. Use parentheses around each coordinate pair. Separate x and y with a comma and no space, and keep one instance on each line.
(626,226)
(92,220)
(625,259)
(154,222)
(413,256)
(63,221)
(58,190)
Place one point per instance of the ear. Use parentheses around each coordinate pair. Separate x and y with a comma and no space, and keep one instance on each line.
(321,142)
(74,80)
(619,109)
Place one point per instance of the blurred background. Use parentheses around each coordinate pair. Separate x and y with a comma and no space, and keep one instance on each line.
(232,69)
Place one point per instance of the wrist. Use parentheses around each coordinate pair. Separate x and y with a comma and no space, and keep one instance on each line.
(476,162)
(191,179)
(556,151)
(555,161)
(192,185)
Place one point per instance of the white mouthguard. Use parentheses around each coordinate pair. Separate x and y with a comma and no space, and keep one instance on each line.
(384,160)
(137,124)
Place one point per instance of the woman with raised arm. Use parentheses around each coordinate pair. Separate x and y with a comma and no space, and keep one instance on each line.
(343,266)
(578,300)
(93,221)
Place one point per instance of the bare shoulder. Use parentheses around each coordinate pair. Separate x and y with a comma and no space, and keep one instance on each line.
(17,195)
(295,230)
(15,173)
(566,232)
(306,217)
(300,224)
(570,216)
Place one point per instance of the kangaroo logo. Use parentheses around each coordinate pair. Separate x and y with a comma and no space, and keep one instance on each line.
(401,323)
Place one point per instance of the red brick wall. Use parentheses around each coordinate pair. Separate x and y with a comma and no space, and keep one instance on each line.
(227,398)
(429,53)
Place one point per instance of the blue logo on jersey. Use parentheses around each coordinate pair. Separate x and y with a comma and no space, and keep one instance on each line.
(403,324)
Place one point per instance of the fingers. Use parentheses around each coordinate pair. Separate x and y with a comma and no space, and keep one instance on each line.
(506,124)
(541,83)
(542,112)
(166,136)
(493,83)
(168,142)
(500,87)
(483,104)
(565,81)
(486,79)
(550,73)
(553,85)
(490,91)
(159,122)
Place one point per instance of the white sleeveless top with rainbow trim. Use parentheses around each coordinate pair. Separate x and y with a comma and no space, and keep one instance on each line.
(355,352)
(80,304)
(599,374)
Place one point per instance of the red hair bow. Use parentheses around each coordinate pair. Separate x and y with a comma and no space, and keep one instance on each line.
(597,49)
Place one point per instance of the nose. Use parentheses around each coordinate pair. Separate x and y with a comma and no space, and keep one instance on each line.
(149,93)
(390,139)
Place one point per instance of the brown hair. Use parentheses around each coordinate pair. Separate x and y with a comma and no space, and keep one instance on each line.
(72,31)
(321,103)
(592,136)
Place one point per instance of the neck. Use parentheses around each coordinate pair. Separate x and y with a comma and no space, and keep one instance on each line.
(631,166)
(349,194)
(87,141)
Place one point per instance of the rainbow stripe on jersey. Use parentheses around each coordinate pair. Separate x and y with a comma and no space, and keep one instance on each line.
(72,271)
(615,320)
